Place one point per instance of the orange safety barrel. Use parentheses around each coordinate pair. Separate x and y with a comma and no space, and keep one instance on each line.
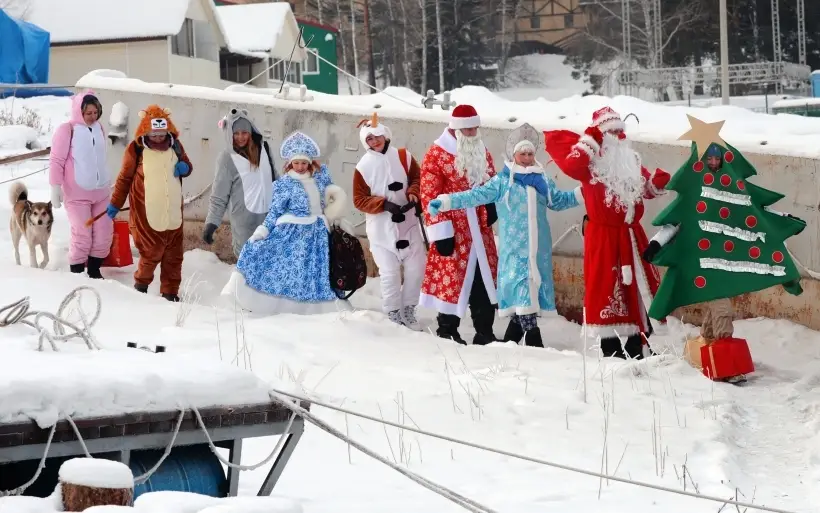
(120,254)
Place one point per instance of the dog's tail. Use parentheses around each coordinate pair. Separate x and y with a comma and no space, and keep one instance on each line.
(18,192)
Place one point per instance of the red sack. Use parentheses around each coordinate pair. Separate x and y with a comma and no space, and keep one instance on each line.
(120,254)
(726,358)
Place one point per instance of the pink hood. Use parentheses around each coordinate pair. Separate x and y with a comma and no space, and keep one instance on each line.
(76,116)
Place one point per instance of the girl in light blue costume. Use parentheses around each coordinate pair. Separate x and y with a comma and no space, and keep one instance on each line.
(522,194)
(284,267)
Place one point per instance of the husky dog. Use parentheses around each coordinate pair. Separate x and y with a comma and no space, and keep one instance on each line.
(30,220)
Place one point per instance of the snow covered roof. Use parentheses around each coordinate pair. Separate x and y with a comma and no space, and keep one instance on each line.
(266,29)
(106,20)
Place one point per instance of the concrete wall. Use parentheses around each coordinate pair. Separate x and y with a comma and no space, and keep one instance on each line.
(196,112)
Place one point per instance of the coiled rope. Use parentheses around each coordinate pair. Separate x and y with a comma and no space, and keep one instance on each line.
(20,312)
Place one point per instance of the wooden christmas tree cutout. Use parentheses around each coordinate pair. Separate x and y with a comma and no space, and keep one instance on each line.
(703,134)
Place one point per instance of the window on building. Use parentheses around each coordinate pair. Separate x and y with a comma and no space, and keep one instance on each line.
(183,43)
(234,69)
(311,64)
(569,20)
(294,74)
(535,22)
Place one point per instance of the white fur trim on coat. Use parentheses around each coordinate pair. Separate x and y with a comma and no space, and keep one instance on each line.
(471,122)
(626,274)
(440,231)
(579,196)
(588,145)
(335,202)
(446,202)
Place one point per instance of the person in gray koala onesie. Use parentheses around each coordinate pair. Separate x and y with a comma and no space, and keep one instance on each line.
(244,180)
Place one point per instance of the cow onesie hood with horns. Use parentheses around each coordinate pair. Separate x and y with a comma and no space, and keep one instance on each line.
(151,179)
(382,184)
(241,188)
(462,261)
(619,286)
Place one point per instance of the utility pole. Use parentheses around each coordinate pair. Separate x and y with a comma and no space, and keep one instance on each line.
(371,74)
(724,53)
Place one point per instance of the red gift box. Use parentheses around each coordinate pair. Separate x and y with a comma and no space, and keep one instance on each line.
(120,254)
(726,358)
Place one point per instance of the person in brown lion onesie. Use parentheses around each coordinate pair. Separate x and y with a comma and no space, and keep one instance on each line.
(153,167)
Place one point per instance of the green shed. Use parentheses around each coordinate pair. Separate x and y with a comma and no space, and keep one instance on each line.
(317,74)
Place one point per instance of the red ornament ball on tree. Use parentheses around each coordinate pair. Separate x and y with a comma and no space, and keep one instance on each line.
(729,156)
(708,179)
(728,246)
(700,282)
(724,212)
(754,252)
(701,207)
(777,256)
(726,180)
(697,166)
(704,244)
(741,185)
(751,221)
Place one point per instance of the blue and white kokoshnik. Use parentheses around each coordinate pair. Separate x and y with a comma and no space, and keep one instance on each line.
(298,146)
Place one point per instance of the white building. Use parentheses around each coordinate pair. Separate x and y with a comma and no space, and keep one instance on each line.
(167,41)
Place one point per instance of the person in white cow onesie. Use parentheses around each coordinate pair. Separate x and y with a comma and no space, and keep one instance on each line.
(462,262)
(386,189)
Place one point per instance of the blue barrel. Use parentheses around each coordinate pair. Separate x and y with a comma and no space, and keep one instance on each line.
(815,84)
(192,469)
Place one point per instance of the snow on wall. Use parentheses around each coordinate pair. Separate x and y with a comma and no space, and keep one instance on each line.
(102,20)
(331,121)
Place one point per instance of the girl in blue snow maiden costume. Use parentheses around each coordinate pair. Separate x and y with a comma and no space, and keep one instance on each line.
(522,194)
(284,267)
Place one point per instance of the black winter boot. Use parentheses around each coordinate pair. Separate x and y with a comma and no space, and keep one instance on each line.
(483,323)
(77,268)
(533,338)
(171,297)
(514,332)
(141,288)
(94,265)
(611,346)
(448,328)
(634,347)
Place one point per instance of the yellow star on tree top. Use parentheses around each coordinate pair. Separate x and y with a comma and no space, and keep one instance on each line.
(703,134)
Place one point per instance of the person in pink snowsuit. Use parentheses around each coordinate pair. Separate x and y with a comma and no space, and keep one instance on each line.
(80,180)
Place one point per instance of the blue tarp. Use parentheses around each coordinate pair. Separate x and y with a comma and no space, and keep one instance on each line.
(24,52)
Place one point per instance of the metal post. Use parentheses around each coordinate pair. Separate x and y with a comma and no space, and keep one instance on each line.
(724,53)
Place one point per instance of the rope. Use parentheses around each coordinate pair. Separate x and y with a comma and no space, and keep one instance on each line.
(23,487)
(24,176)
(20,313)
(360,80)
(528,458)
(451,495)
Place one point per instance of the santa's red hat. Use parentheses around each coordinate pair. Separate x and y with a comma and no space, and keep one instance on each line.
(607,120)
(464,116)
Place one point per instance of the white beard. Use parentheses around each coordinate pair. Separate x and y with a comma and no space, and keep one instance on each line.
(618,168)
(471,158)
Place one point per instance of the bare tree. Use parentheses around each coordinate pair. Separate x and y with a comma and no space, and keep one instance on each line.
(507,36)
(440,37)
(405,64)
(423,4)
(343,43)
(355,50)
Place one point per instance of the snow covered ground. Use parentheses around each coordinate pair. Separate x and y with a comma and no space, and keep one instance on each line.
(643,421)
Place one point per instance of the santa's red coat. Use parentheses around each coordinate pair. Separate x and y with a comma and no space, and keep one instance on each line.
(612,239)
(448,279)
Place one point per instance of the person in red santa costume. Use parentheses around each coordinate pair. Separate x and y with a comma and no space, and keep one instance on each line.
(619,285)
(462,261)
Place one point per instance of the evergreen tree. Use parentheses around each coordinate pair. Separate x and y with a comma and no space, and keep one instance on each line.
(729,242)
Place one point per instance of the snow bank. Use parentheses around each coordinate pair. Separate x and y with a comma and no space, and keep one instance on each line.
(96,473)
(26,505)
(658,123)
(173,502)
(186,502)
(42,385)
(16,139)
